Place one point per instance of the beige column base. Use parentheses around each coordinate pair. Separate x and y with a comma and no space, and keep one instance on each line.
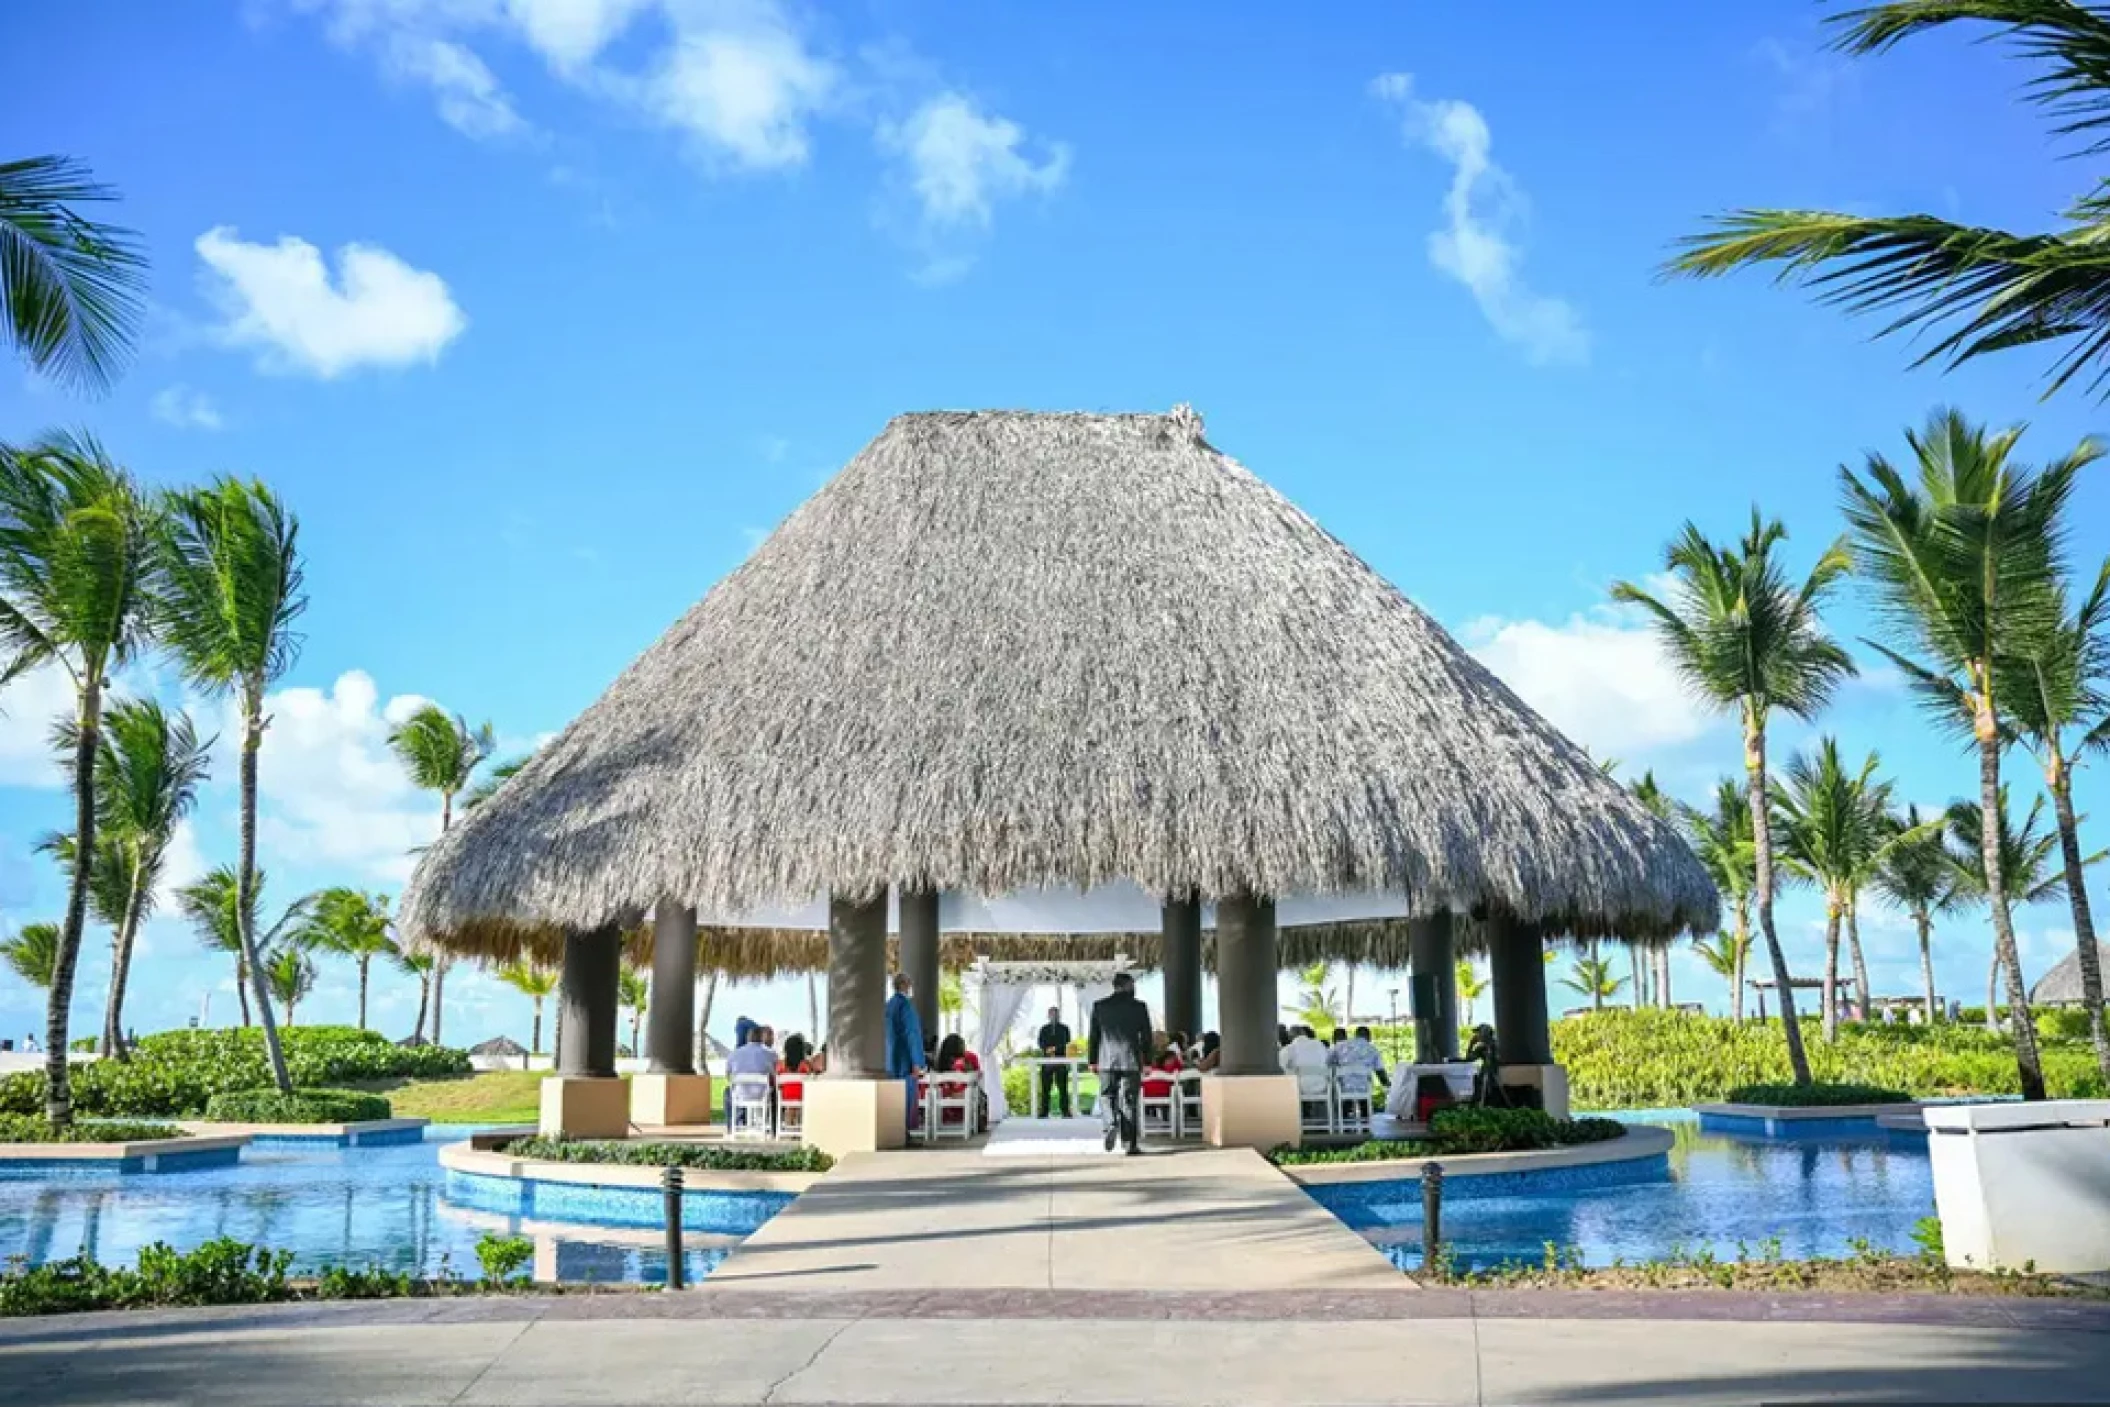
(1251,1111)
(670,1099)
(855,1115)
(576,1106)
(1551,1081)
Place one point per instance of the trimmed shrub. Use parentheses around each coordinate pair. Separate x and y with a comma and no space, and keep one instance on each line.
(503,1257)
(303,1106)
(1467,1128)
(175,1074)
(221,1271)
(2063,1023)
(32,1128)
(709,1157)
(1815,1096)
(1654,1059)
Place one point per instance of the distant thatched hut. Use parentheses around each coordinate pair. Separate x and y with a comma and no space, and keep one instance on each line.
(1056,674)
(2062,985)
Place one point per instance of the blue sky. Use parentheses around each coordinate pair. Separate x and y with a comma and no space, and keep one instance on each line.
(542,312)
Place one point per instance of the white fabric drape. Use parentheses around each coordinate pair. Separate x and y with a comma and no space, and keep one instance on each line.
(1089,993)
(997,1011)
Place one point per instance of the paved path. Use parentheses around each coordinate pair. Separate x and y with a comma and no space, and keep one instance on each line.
(1575,1349)
(1197,1219)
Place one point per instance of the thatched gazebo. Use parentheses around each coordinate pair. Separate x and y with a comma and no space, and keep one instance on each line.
(1052,675)
(2062,985)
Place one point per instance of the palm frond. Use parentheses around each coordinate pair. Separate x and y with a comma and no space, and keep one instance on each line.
(71,289)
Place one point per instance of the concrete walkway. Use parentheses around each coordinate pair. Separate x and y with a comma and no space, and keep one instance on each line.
(1194,1219)
(1105,1348)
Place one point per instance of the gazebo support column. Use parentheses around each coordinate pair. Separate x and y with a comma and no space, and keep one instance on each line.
(1183,965)
(584,1098)
(671,1091)
(1523,1035)
(1433,950)
(855,1108)
(1250,1102)
(919,950)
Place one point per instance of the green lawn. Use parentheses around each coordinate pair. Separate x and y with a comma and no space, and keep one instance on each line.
(490,1097)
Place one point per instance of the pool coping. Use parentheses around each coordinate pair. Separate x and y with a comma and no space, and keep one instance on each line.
(1803,1113)
(147,1150)
(350,1132)
(1640,1141)
(477,1162)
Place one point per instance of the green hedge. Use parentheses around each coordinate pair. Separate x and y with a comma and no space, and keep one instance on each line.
(223,1271)
(708,1157)
(1018,1090)
(32,1128)
(1656,1059)
(303,1106)
(1464,1129)
(175,1074)
(1816,1096)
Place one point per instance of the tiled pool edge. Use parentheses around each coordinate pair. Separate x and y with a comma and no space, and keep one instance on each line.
(1798,1121)
(153,1155)
(364,1133)
(1641,1144)
(606,1194)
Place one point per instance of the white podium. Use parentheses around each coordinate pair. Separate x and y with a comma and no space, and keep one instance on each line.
(2023,1184)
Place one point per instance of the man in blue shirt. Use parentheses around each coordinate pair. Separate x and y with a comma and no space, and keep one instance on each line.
(904,1039)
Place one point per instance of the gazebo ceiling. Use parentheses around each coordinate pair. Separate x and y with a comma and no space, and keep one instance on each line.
(1004,652)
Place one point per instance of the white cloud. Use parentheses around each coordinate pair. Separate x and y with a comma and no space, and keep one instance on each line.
(185,409)
(29,708)
(470,98)
(1482,209)
(744,84)
(960,161)
(281,299)
(1811,81)
(1600,678)
(570,33)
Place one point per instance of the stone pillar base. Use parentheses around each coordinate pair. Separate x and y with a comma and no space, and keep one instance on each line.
(581,1106)
(670,1099)
(855,1115)
(1251,1111)
(1551,1081)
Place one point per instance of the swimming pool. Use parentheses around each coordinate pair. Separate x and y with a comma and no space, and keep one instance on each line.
(1722,1193)
(392,1206)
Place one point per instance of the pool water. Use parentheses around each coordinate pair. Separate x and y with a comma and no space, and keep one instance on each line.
(1719,1193)
(330,1206)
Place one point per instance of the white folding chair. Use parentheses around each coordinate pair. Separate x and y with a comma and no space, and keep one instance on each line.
(1315,1098)
(1351,1091)
(951,1109)
(791,1108)
(1159,1109)
(1187,1114)
(750,1108)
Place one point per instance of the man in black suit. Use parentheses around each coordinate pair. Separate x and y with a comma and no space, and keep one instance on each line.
(1120,1048)
(1054,1042)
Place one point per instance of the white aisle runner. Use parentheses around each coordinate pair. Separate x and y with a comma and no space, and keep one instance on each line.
(1043,1138)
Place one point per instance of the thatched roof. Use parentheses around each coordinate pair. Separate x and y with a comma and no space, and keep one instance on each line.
(1003,651)
(2062,985)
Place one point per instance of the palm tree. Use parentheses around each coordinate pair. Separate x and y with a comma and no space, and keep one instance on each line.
(33,953)
(531,979)
(229,591)
(1471,987)
(1657,987)
(1981,289)
(1916,875)
(290,974)
(418,964)
(71,289)
(351,924)
(1315,1000)
(1593,978)
(213,907)
(2058,701)
(1724,957)
(1722,840)
(146,781)
(2023,873)
(441,753)
(634,992)
(1965,565)
(1744,637)
(1833,823)
(486,786)
(74,544)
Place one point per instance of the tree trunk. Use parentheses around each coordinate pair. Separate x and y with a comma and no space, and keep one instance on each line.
(1639,996)
(1743,955)
(535,1044)
(439,993)
(1864,1000)
(2083,917)
(245,892)
(58,1010)
(112,1045)
(703,1022)
(1831,969)
(813,1006)
(364,959)
(1663,978)
(241,987)
(1992,995)
(1925,922)
(2021,1030)
(1762,835)
(417,1032)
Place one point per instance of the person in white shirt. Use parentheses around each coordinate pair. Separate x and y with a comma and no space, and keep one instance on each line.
(1306,1057)
(1359,1069)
